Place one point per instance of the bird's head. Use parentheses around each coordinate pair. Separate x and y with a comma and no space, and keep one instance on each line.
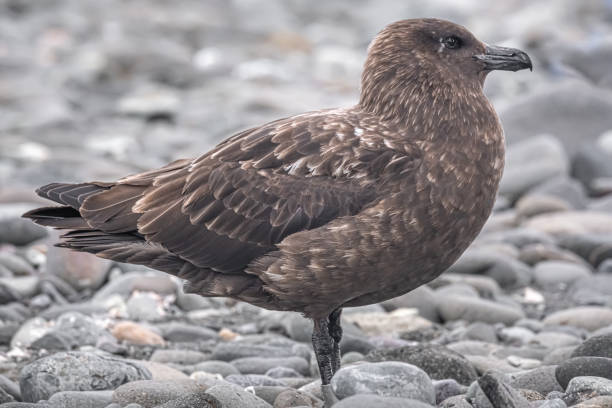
(431,52)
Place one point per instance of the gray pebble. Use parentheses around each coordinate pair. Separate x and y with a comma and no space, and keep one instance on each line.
(447,388)
(388,379)
(199,399)
(234,397)
(596,346)
(583,366)
(259,365)
(185,357)
(499,392)
(250,380)
(376,401)
(216,367)
(72,371)
(437,361)
(282,372)
(540,379)
(181,332)
(470,309)
(81,399)
(151,393)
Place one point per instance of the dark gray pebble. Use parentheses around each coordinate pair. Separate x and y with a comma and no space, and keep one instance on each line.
(151,393)
(81,399)
(437,361)
(200,399)
(72,371)
(583,366)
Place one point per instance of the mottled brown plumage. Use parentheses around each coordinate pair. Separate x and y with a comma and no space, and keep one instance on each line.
(327,209)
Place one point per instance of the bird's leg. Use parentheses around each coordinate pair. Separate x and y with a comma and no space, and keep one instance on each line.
(322,343)
(335,331)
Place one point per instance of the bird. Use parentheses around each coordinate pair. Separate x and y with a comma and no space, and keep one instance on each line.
(324,210)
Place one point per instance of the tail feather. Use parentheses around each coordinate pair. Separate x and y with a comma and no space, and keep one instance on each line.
(61,217)
(71,195)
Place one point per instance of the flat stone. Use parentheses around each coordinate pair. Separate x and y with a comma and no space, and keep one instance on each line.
(71,331)
(216,367)
(588,385)
(421,298)
(79,269)
(376,401)
(500,393)
(472,310)
(532,162)
(199,399)
(596,346)
(82,399)
(387,379)
(260,365)
(181,332)
(135,333)
(382,323)
(150,393)
(185,357)
(76,371)
(123,285)
(603,401)
(559,272)
(583,366)
(437,361)
(447,388)
(586,317)
(540,379)
(572,223)
(232,396)
(161,372)
(253,380)
(293,398)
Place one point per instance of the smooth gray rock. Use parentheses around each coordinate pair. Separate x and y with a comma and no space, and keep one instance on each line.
(549,273)
(185,357)
(10,387)
(293,398)
(583,366)
(596,346)
(553,403)
(500,393)
(150,393)
(421,298)
(540,379)
(282,372)
(470,309)
(260,365)
(253,380)
(199,399)
(234,397)
(123,285)
(181,332)
(387,379)
(376,401)
(457,401)
(565,110)
(76,371)
(71,331)
(447,388)
(82,399)
(589,384)
(437,361)
(531,162)
(216,367)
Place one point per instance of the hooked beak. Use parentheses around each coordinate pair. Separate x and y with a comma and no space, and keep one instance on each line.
(507,59)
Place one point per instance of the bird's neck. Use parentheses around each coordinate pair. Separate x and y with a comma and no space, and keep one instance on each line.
(426,105)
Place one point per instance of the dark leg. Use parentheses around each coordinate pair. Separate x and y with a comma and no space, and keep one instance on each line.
(323,345)
(335,331)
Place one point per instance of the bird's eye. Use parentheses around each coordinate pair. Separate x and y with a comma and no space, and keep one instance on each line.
(452,42)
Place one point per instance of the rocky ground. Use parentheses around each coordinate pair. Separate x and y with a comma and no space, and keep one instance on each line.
(97,90)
